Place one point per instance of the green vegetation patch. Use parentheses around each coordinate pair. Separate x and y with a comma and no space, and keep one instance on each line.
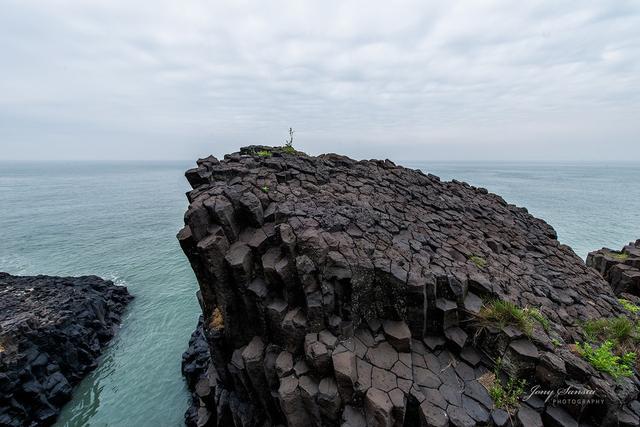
(535,314)
(265,188)
(620,256)
(506,396)
(629,306)
(604,359)
(611,345)
(264,153)
(505,313)
(478,261)
(289,149)
(619,329)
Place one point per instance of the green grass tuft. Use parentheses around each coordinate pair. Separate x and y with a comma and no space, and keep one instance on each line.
(505,313)
(265,188)
(535,314)
(603,359)
(629,306)
(618,329)
(620,256)
(264,153)
(478,261)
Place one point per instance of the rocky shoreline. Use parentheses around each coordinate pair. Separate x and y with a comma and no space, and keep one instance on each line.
(620,268)
(353,293)
(52,331)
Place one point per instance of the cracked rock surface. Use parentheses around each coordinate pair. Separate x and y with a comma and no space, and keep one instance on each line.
(52,330)
(338,292)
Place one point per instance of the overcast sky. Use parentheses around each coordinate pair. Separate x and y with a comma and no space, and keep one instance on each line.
(451,80)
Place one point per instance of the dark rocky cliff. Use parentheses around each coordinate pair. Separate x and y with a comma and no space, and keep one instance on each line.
(52,330)
(341,292)
(620,268)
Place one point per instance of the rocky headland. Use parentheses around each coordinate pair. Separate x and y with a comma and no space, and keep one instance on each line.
(52,330)
(353,293)
(620,268)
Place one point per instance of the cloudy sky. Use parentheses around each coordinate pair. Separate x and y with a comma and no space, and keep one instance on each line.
(451,80)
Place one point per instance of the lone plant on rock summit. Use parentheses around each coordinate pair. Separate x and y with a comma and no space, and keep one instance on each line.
(288,143)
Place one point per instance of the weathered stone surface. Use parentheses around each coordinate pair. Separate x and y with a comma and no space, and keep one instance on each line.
(378,407)
(528,417)
(383,356)
(397,334)
(329,399)
(500,417)
(52,331)
(344,365)
(367,280)
(352,417)
(432,415)
(456,336)
(558,417)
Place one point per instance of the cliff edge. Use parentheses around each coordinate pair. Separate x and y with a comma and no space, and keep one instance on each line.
(338,292)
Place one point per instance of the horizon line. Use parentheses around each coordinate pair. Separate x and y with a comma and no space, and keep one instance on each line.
(370,158)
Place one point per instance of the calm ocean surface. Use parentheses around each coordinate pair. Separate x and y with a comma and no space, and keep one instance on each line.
(119,220)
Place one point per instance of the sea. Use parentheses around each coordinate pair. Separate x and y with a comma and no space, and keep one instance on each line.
(119,221)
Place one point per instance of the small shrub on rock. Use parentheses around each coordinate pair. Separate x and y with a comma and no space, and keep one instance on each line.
(603,359)
(264,153)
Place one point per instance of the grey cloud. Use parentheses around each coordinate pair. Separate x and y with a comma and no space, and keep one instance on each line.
(455,80)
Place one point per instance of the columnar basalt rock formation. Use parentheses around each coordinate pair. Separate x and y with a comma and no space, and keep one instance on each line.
(620,268)
(52,330)
(338,292)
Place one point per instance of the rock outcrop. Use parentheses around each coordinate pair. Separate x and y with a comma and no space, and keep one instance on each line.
(52,330)
(620,268)
(353,293)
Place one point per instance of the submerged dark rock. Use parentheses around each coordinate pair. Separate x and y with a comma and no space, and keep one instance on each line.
(52,330)
(338,292)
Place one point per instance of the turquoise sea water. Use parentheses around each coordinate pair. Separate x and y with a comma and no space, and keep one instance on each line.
(119,220)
